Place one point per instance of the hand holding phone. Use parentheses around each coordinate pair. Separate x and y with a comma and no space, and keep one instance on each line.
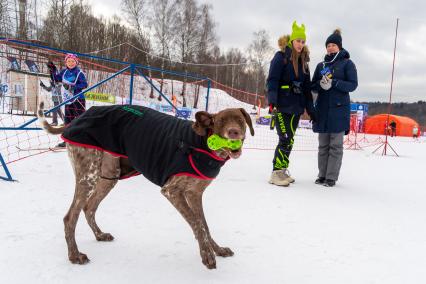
(326,72)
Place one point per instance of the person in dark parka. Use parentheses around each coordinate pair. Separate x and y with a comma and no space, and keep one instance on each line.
(333,79)
(289,94)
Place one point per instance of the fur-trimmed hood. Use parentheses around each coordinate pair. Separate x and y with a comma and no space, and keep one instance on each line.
(284,42)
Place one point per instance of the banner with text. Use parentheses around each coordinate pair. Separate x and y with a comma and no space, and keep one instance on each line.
(100,97)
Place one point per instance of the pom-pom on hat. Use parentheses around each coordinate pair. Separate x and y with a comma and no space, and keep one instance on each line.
(336,38)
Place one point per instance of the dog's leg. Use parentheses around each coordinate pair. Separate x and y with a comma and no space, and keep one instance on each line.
(86,165)
(110,172)
(195,200)
(70,222)
(175,191)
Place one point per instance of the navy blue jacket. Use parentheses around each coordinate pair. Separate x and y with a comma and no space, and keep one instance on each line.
(332,107)
(281,73)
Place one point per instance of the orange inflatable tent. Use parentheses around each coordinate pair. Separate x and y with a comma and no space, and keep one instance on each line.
(377,124)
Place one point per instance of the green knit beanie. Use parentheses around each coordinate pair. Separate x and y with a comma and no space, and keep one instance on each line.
(298,32)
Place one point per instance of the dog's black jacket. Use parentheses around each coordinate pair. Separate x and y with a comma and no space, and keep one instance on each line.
(157,145)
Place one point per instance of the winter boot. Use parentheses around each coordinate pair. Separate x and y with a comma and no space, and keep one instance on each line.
(320,180)
(329,183)
(278,177)
(288,177)
(61,145)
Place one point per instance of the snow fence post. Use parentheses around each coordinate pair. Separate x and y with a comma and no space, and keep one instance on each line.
(132,75)
(208,94)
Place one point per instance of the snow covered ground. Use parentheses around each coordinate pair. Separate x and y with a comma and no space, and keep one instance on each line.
(370,228)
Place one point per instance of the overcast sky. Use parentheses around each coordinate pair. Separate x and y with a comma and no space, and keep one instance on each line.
(368,31)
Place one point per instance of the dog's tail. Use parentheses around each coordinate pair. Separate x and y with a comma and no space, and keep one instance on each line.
(46,126)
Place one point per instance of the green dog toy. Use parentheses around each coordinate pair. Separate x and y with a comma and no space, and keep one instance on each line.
(215,142)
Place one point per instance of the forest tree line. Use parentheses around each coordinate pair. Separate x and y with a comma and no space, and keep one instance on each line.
(416,111)
(159,33)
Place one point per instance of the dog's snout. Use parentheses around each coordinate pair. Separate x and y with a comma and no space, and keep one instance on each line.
(234,133)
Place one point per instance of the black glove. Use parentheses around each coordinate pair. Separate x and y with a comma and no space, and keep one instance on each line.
(51,66)
(297,87)
(42,84)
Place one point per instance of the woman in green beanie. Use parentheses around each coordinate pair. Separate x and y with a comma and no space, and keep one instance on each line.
(289,94)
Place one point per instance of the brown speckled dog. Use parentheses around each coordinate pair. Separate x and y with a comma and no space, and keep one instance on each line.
(96,171)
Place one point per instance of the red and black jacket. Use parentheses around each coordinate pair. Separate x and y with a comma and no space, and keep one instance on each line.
(157,145)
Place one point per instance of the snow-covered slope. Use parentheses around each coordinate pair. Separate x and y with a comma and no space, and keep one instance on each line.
(368,229)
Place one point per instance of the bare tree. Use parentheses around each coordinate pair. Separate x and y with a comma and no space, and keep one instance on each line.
(81,24)
(207,42)
(207,34)
(259,50)
(161,20)
(72,25)
(6,28)
(181,29)
(55,25)
(137,16)
(22,31)
(187,35)
(235,57)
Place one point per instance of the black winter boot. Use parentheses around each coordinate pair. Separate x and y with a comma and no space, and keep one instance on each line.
(329,183)
(61,145)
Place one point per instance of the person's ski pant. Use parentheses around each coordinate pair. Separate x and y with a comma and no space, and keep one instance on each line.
(74,110)
(330,154)
(286,125)
(57,112)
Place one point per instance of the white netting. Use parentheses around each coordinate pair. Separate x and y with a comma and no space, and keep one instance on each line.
(21,94)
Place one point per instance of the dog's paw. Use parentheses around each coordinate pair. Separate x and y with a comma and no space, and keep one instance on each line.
(208,257)
(104,237)
(80,258)
(223,251)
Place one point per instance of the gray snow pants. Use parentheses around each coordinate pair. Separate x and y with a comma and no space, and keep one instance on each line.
(330,154)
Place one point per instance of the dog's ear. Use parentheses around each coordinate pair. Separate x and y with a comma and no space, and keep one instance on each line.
(203,121)
(248,120)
